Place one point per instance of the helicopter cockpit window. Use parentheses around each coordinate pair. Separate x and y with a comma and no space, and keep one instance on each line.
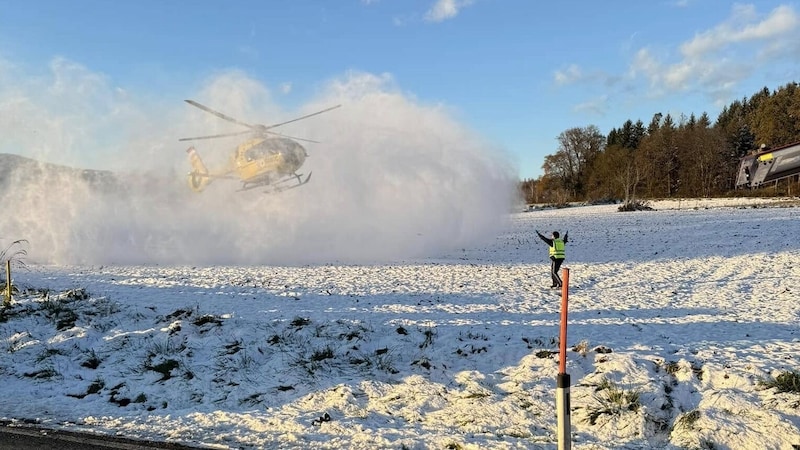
(258,152)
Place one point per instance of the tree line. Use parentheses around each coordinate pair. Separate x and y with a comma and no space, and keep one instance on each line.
(669,157)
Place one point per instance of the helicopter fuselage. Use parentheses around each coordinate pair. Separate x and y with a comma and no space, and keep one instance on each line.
(268,158)
(262,160)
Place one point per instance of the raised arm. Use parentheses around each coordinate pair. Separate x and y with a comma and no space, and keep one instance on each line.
(548,241)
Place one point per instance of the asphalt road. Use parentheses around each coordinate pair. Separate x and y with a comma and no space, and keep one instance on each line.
(35,438)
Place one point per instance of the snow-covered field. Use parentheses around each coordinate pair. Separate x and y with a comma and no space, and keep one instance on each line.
(676,316)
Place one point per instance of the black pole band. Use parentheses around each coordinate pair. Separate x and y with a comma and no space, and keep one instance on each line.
(562,380)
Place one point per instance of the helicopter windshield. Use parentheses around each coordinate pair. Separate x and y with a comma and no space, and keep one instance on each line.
(259,151)
(293,153)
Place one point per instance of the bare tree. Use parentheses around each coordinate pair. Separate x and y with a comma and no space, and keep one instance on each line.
(577,149)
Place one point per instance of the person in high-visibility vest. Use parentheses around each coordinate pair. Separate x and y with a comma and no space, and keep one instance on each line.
(557,255)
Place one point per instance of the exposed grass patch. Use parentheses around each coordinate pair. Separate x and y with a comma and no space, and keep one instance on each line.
(207,319)
(322,354)
(356,333)
(164,347)
(688,420)
(57,310)
(49,353)
(672,367)
(705,444)
(634,205)
(7,312)
(697,370)
(73,295)
(44,374)
(423,362)
(429,333)
(95,387)
(93,362)
(233,347)
(582,348)
(252,400)
(788,381)
(612,400)
(299,322)
(165,368)
(13,254)
(382,360)
(178,314)
(540,342)
(243,362)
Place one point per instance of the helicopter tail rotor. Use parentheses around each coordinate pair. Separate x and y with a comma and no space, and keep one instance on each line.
(198,177)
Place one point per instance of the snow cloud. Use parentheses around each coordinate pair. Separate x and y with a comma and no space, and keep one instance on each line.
(392,178)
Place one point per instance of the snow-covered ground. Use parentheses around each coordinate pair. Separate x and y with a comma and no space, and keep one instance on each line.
(676,317)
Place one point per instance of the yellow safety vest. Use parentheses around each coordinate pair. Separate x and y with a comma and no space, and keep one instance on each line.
(557,249)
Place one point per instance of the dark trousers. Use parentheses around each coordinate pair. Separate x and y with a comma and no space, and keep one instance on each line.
(555,265)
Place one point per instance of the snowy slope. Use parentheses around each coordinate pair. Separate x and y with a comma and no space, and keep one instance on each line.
(678,312)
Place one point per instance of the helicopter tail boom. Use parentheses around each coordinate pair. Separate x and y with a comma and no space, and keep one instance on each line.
(198,177)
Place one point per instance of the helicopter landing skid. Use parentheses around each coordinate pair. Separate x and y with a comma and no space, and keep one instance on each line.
(279,186)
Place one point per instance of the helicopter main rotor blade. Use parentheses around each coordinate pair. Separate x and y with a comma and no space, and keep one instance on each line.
(218,114)
(291,137)
(300,118)
(214,136)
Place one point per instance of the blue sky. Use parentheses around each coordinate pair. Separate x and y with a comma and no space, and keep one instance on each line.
(516,72)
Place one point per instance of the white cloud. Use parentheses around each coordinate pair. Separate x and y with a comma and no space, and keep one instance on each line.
(780,24)
(644,63)
(568,76)
(400,21)
(446,9)
(285,88)
(718,59)
(575,74)
(596,106)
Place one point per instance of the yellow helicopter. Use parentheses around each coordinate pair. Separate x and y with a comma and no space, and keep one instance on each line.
(266,159)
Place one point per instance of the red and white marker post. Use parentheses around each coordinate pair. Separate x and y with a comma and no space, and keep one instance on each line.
(562,382)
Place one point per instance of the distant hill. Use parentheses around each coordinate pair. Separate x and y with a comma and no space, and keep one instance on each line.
(15,169)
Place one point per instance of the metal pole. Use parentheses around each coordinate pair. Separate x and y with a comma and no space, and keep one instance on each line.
(562,382)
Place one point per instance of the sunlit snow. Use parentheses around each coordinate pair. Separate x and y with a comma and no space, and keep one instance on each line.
(689,306)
